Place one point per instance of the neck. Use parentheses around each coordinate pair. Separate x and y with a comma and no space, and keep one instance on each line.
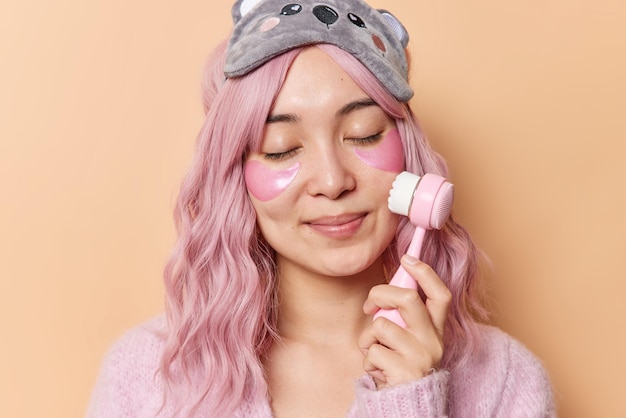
(324,310)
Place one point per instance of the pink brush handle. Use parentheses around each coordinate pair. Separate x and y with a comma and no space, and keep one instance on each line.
(404,279)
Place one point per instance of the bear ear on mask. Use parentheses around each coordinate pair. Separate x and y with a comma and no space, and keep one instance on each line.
(264,29)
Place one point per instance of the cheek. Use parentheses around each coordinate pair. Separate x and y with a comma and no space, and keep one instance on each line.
(387,156)
(266,184)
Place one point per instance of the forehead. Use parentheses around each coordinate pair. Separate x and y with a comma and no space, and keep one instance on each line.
(315,79)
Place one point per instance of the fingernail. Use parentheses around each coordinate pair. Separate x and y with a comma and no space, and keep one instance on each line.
(366,306)
(409,259)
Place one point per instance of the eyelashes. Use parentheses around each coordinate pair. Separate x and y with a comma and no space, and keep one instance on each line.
(366,140)
(283,155)
(280,155)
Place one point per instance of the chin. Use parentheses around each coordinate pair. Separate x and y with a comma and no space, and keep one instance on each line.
(352,266)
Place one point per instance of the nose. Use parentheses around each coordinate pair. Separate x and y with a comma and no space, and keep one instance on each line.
(330,175)
(325,14)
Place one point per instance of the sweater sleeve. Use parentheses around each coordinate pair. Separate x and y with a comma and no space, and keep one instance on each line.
(426,397)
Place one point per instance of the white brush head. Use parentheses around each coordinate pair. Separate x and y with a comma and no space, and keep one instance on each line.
(401,193)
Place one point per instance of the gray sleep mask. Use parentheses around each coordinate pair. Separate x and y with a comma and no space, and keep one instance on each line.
(266,28)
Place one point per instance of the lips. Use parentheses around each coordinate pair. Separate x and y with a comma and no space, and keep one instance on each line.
(339,226)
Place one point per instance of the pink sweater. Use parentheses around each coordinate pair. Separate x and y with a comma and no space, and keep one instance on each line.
(504,380)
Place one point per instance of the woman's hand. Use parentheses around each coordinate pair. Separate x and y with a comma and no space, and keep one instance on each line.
(394,355)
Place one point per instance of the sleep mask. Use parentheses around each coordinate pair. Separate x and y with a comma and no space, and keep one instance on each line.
(266,28)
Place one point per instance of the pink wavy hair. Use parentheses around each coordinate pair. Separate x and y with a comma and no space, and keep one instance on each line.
(220,278)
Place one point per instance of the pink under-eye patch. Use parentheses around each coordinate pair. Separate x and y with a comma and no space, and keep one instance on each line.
(387,156)
(265,183)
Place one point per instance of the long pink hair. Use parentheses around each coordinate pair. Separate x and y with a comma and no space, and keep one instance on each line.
(220,278)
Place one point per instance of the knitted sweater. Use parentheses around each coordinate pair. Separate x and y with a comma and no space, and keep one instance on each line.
(503,380)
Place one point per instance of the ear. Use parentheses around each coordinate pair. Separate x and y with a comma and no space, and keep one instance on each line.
(398,28)
(241,7)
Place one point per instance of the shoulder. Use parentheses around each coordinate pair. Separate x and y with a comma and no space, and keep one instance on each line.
(135,355)
(128,381)
(138,344)
(504,378)
(507,353)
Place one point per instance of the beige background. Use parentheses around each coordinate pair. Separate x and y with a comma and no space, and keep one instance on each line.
(99,108)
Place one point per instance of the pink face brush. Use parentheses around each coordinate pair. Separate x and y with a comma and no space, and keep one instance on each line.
(427,202)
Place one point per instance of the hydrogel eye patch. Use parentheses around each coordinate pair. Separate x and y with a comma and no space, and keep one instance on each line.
(386,156)
(266,183)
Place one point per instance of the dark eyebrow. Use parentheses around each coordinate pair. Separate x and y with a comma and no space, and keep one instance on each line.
(352,106)
(287,117)
(358,104)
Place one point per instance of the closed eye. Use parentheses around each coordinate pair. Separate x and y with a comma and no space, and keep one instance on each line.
(280,155)
(367,139)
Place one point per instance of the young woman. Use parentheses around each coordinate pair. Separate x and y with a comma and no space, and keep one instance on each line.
(286,247)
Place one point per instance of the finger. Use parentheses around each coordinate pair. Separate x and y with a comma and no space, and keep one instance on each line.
(407,301)
(423,347)
(387,333)
(438,296)
(385,296)
(369,366)
(387,367)
(375,359)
